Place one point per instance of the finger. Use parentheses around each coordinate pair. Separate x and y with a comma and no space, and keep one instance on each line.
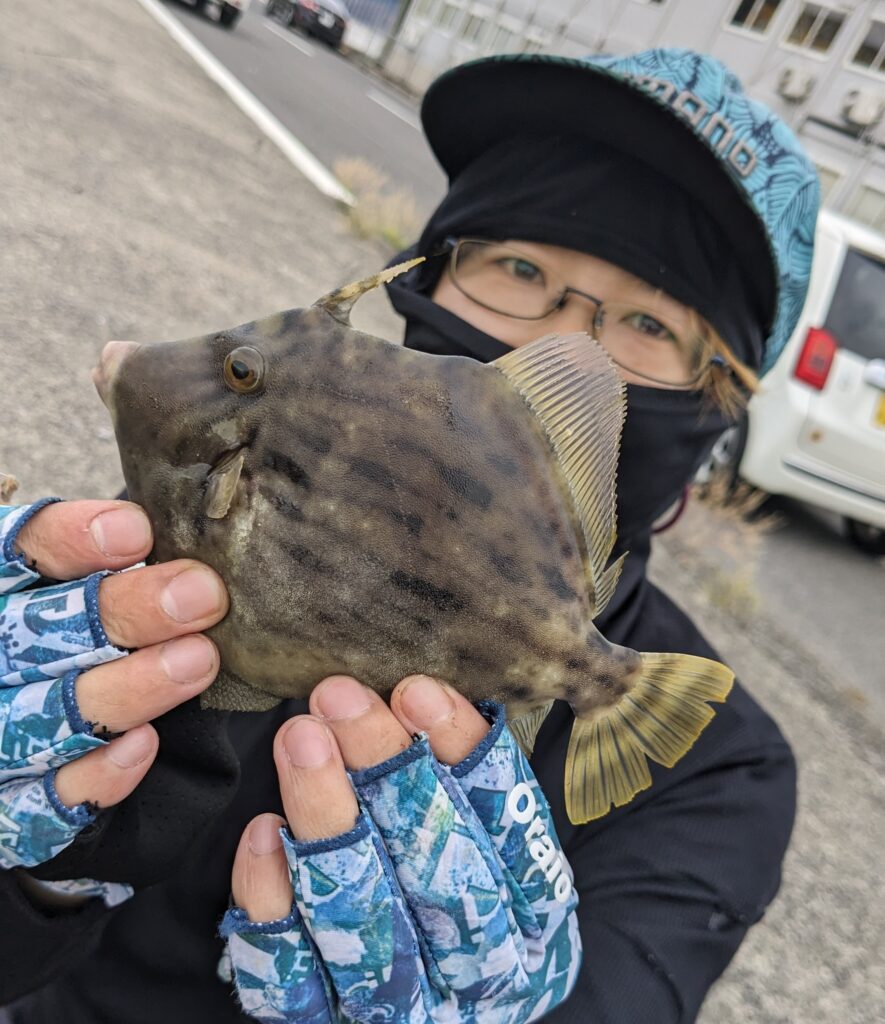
(501,788)
(449,874)
(72,539)
(361,926)
(125,693)
(107,775)
(157,602)
(453,725)
(317,795)
(275,972)
(364,727)
(260,882)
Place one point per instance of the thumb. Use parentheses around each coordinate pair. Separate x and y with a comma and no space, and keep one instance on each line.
(260,883)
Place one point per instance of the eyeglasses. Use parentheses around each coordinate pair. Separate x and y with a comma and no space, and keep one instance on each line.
(641,339)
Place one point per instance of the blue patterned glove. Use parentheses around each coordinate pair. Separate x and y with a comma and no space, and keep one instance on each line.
(48,635)
(448,901)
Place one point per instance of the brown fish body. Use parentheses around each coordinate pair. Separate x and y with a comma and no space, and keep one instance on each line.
(380,512)
(395,513)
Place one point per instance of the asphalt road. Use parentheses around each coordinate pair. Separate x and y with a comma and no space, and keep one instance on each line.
(329,104)
(807,575)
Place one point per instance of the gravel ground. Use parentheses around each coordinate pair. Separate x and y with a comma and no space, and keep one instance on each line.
(139,203)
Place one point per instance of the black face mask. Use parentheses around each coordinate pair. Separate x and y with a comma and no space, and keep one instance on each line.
(667,434)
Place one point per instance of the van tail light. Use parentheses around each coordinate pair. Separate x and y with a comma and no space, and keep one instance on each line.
(816,358)
(310,5)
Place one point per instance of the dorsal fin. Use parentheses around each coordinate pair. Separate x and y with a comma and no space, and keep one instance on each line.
(572,386)
(340,302)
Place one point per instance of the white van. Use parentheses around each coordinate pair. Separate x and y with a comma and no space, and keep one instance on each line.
(816,429)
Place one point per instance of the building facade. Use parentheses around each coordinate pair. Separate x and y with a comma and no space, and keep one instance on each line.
(820,66)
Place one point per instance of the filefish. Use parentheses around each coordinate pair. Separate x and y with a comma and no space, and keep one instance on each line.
(380,512)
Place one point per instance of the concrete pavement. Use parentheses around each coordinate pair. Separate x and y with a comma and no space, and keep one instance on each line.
(141,204)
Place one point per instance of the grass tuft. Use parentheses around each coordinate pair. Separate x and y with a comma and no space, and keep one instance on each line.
(381,211)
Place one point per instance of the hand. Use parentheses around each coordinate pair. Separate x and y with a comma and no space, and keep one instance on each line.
(68,683)
(422,892)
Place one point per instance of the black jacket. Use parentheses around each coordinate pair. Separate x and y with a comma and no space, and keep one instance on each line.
(669,884)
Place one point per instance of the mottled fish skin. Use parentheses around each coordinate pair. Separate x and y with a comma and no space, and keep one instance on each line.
(396,513)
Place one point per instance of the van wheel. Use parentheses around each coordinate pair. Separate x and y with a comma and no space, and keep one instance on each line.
(723,463)
(868,538)
(229,16)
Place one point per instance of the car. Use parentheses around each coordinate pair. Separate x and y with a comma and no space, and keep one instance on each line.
(228,12)
(815,430)
(325,19)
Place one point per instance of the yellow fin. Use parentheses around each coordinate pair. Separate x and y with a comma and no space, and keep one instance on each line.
(660,718)
(525,728)
(340,302)
(572,386)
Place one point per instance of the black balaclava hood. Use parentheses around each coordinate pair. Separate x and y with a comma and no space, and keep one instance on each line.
(564,192)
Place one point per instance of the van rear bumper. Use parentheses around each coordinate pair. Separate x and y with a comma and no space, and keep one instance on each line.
(806,480)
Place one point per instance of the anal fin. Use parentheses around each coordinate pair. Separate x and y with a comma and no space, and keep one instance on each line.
(660,718)
(525,728)
(231,693)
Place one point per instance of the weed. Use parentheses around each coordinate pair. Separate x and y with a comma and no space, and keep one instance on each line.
(382,212)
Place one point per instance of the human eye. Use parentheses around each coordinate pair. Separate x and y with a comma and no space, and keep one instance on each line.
(649,326)
(521,269)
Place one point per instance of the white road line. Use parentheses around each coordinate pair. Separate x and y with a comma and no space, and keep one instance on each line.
(296,152)
(394,108)
(287,37)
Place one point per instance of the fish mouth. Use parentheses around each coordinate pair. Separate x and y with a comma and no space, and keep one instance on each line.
(112,357)
(222,481)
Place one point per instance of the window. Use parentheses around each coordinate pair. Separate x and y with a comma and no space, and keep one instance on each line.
(503,40)
(475,29)
(857,311)
(816,27)
(828,179)
(755,14)
(423,8)
(868,205)
(448,15)
(871,52)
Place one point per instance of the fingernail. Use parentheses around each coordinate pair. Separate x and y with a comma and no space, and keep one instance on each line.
(131,748)
(307,743)
(121,531)
(425,702)
(187,659)
(192,594)
(264,835)
(342,698)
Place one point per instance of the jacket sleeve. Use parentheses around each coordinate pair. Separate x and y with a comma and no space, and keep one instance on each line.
(37,944)
(670,888)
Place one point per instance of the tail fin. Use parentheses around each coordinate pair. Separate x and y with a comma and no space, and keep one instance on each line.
(660,718)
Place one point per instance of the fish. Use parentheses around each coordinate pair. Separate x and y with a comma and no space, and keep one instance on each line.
(381,512)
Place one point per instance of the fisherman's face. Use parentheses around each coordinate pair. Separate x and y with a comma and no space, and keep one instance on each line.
(658,322)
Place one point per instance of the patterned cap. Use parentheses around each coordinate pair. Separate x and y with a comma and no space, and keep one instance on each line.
(680,111)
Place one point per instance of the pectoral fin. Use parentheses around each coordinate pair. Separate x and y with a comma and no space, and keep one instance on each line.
(222,485)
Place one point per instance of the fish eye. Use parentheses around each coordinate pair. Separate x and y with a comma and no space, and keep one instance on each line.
(244,370)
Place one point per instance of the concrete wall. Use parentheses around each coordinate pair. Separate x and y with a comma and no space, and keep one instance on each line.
(438,34)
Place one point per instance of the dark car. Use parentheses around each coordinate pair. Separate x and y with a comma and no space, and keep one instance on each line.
(325,19)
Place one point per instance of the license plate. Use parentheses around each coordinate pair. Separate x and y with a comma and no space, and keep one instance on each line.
(879,418)
(327,20)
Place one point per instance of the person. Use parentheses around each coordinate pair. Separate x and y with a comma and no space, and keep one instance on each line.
(646,201)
